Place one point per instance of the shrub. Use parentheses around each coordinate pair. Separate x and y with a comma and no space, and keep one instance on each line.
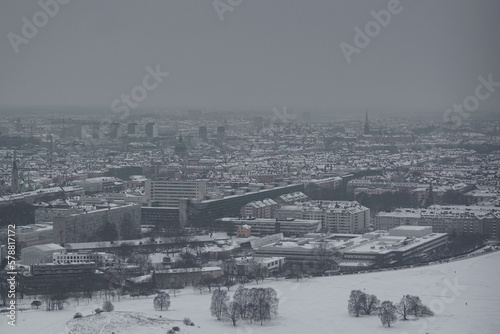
(36,303)
(176,328)
(107,306)
(77,315)
(188,322)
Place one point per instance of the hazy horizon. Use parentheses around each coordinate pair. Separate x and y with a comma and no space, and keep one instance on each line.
(260,56)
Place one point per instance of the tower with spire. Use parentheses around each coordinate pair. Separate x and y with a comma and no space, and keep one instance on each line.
(14,179)
(367,124)
(180,148)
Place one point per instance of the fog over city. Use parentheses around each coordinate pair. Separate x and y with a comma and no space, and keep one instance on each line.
(253,55)
(249,166)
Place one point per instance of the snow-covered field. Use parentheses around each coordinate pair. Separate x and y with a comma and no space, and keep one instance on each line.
(465,296)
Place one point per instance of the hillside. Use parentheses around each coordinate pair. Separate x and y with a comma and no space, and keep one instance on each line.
(464,294)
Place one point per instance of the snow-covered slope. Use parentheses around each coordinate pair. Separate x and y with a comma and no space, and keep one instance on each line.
(464,294)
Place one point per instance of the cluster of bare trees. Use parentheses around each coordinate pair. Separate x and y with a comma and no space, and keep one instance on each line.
(363,303)
(412,305)
(55,301)
(254,305)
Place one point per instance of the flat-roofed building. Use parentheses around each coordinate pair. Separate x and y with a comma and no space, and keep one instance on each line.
(338,216)
(39,254)
(263,226)
(122,221)
(34,234)
(169,192)
(445,219)
(51,278)
(398,246)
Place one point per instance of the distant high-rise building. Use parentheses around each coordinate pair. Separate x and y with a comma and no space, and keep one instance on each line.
(152,130)
(14,181)
(221,133)
(51,150)
(115,130)
(72,131)
(367,124)
(258,122)
(202,133)
(97,131)
(132,128)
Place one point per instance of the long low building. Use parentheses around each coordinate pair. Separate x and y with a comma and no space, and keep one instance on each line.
(50,278)
(263,226)
(360,252)
(204,213)
(445,219)
(399,245)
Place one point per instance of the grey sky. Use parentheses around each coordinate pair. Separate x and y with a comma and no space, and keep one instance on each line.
(264,54)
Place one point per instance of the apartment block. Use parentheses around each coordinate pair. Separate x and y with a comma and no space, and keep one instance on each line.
(167,193)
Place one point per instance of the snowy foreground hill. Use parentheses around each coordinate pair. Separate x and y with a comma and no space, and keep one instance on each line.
(465,295)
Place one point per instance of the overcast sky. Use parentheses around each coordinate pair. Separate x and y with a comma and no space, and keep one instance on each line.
(263,54)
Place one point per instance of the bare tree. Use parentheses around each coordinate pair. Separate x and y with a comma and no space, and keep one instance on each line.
(219,303)
(404,306)
(324,258)
(211,282)
(241,298)
(174,290)
(228,282)
(143,261)
(199,286)
(387,313)
(232,312)
(294,270)
(161,301)
(416,307)
(228,272)
(265,303)
(371,303)
(356,302)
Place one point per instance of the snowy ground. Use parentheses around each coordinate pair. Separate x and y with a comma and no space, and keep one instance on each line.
(464,294)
